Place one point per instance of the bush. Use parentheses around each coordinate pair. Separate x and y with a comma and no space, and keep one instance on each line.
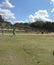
(53,52)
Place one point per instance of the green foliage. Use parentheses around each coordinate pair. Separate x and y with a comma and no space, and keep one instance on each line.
(34,26)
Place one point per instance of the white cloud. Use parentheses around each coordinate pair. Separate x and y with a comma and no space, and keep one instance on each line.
(52,10)
(52,2)
(20,21)
(7,14)
(6,3)
(41,15)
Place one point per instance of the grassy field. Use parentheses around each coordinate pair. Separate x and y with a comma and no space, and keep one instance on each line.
(27,50)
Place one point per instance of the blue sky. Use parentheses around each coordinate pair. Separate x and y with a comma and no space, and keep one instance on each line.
(27,10)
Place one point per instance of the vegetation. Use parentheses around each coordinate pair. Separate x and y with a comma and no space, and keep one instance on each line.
(27,50)
(38,26)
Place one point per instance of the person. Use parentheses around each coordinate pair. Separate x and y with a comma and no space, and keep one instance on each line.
(2,31)
(13,31)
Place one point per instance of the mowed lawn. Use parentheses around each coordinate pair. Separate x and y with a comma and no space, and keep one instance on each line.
(27,50)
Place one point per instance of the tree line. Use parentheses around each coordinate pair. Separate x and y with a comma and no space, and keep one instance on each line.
(38,26)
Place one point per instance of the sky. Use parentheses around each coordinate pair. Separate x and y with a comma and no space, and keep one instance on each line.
(27,10)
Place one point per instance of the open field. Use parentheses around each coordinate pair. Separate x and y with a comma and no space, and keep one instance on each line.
(27,50)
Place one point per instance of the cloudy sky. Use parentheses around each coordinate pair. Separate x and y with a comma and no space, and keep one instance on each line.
(27,10)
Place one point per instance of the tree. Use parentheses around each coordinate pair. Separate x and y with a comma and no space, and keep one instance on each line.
(1,21)
(48,26)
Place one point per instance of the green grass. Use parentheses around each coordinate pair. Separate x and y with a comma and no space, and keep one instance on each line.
(27,50)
